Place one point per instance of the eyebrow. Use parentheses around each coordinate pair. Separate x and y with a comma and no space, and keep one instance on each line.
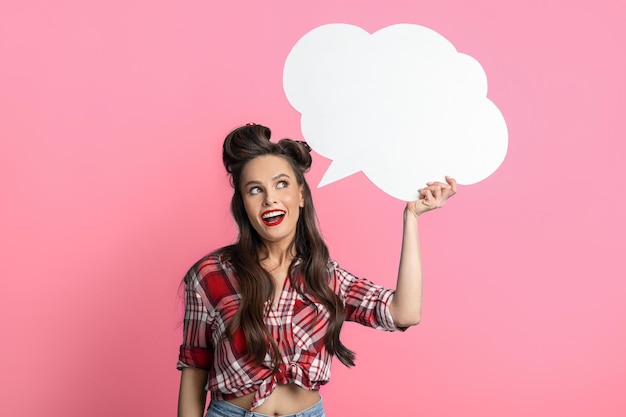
(274,178)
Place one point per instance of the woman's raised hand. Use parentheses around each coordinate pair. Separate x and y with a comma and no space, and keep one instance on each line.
(433,196)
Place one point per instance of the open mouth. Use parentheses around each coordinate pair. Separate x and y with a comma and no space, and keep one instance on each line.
(273,217)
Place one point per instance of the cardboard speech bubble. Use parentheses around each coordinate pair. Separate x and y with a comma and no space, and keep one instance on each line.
(401,105)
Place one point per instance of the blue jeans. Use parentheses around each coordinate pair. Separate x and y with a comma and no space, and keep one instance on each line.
(226,409)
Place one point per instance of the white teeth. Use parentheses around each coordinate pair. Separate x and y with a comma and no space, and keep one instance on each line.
(273,214)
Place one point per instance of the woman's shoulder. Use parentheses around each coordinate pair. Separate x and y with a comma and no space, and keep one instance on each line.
(333,266)
(215,263)
(338,275)
(213,277)
(335,272)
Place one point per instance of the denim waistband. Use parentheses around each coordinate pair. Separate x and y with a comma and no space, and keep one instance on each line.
(226,409)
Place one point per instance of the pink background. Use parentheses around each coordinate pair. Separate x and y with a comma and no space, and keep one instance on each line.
(112,115)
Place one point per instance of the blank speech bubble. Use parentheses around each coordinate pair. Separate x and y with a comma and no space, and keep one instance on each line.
(401,105)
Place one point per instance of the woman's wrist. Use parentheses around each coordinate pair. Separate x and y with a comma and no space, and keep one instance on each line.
(410,214)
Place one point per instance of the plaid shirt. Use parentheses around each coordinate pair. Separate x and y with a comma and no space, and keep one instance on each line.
(212,299)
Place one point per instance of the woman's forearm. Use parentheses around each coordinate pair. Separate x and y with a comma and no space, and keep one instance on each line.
(406,306)
(192,395)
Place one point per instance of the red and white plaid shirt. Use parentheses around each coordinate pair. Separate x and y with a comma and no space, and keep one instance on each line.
(212,299)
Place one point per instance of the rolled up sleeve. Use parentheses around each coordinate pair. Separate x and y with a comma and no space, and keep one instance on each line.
(196,349)
(365,302)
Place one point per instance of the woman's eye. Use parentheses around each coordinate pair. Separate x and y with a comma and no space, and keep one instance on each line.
(282,184)
(254,190)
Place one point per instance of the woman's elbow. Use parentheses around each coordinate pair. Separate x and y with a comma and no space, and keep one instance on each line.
(408,320)
(405,316)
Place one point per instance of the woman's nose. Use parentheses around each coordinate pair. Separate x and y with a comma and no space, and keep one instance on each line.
(269,199)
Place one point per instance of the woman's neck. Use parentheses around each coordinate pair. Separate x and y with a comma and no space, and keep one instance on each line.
(274,257)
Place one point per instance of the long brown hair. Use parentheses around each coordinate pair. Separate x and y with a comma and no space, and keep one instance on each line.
(309,273)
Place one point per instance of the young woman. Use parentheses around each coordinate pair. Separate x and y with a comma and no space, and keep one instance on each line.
(263,316)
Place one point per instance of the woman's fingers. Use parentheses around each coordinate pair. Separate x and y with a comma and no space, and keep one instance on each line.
(448,188)
(438,194)
(434,195)
(453,185)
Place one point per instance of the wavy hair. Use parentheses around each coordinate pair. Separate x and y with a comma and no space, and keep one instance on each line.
(309,273)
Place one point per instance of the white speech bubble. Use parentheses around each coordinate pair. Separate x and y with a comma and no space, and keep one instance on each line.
(401,105)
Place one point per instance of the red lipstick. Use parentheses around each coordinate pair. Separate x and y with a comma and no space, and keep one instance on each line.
(273,217)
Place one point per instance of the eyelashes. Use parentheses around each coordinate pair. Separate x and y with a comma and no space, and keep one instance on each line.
(258,190)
